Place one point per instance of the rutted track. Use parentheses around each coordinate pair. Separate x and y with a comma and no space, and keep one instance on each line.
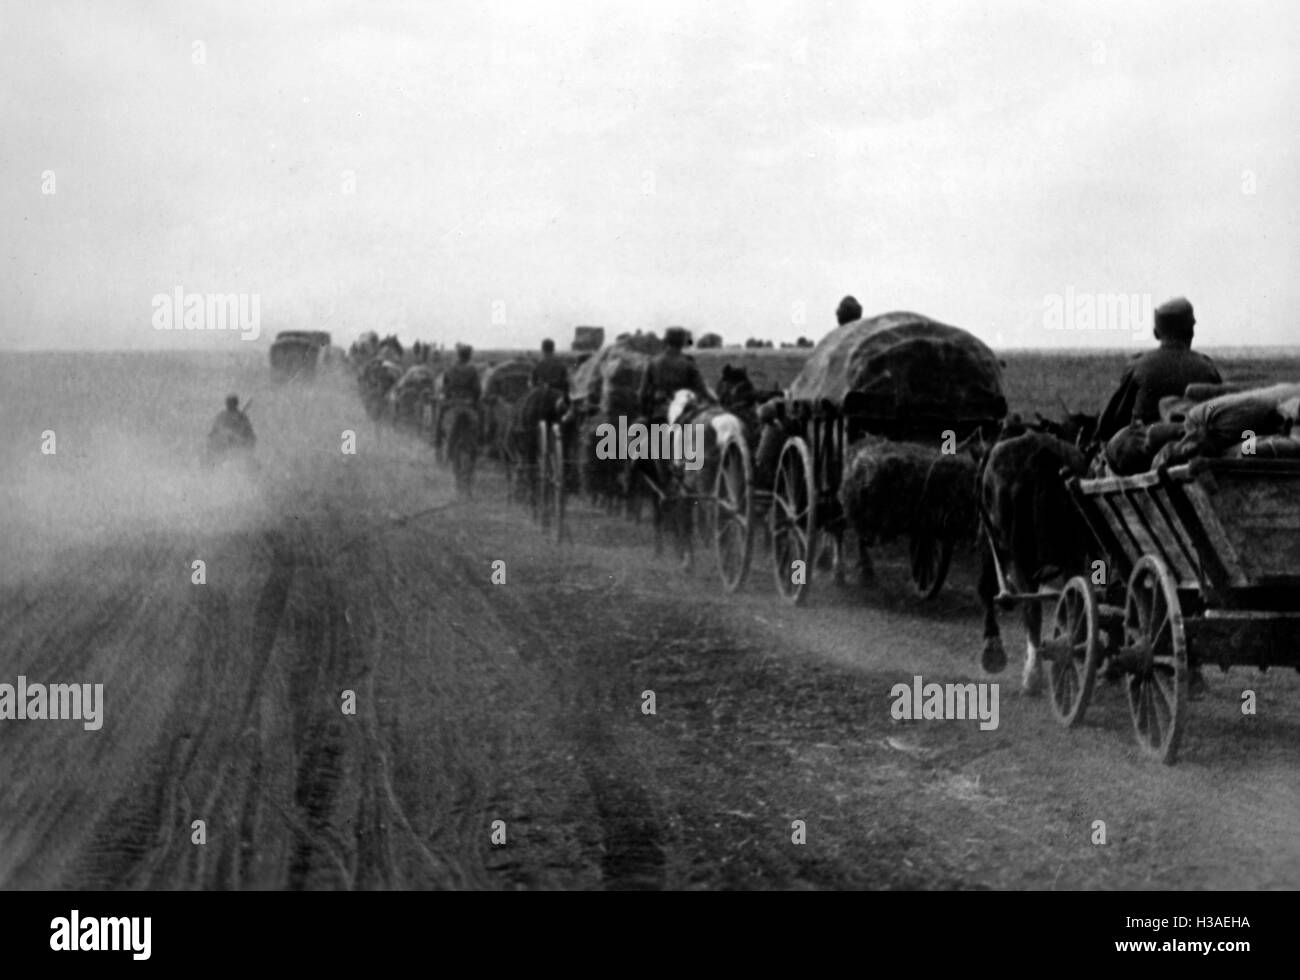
(521,703)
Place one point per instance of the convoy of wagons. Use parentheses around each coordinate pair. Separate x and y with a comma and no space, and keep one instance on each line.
(1203,556)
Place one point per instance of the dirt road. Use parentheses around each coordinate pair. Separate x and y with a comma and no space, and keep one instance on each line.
(331,576)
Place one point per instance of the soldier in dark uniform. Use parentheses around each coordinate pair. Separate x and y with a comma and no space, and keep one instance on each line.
(550,370)
(1167,370)
(849,310)
(231,429)
(461,392)
(461,383)
(667,373)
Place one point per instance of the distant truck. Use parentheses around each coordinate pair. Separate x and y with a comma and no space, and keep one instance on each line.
(588,338)
(296,353)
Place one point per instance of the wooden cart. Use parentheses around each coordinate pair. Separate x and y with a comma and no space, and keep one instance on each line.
(1202,566)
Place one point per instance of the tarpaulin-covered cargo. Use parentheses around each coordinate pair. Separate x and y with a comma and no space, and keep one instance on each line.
(904,368)
(610,380)
(508,380)
(416,377)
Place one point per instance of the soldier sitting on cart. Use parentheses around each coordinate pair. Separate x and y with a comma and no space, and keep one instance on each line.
(849,311)
(772,417)
(1149,377)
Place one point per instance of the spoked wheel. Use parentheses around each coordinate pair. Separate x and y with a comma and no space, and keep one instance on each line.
(1072,651)
(793,520)
(559,498)
(1155,655)
(425,409)
(733,514)
(543,506)
(930,557)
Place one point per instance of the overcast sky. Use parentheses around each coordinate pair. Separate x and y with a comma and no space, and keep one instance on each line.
(501,172)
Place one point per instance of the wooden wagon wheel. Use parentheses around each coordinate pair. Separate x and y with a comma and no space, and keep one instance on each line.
(508,465)
(426,418)
(558,497)
(930,557)
(733,514)
(543,482)
(793,520)
(1154,654)
(1073,651)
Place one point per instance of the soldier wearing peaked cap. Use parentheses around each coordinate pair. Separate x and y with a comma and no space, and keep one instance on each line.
(550,370)
(1167,370)
(669,372)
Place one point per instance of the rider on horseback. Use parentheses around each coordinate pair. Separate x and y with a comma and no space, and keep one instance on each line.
(462,382)
(668,373)
(461,393)
(550,370)
(231,429)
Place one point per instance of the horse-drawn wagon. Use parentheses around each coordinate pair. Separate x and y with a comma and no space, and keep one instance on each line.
(1201,565)
(897,382)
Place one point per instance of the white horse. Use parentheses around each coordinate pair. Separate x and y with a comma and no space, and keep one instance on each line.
(719,427)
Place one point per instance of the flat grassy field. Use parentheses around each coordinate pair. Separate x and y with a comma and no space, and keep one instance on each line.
(1036,380)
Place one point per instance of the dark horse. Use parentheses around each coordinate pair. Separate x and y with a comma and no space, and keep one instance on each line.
(1035,535)
(540,403)
(461,423)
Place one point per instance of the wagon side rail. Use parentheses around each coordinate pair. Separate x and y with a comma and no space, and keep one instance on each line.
(1228,530)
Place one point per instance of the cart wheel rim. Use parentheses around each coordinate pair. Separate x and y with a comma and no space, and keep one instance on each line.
(557,472)
(792,520)
(544,476)
(733,526)
(1155,651)
(1072,652)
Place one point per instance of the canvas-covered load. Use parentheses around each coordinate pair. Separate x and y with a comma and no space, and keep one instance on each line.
(584,381)
(610,380)
(414,378)
(508,380)
(904,368)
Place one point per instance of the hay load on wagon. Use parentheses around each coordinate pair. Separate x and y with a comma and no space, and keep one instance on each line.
(894,488)
(609,382)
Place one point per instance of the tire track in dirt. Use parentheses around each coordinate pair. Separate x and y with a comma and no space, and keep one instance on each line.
(632,830)
(205,765)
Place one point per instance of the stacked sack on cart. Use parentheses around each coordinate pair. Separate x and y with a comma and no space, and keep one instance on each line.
(1217,421)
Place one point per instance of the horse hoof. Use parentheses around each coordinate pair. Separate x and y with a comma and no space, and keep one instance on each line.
(993,658)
